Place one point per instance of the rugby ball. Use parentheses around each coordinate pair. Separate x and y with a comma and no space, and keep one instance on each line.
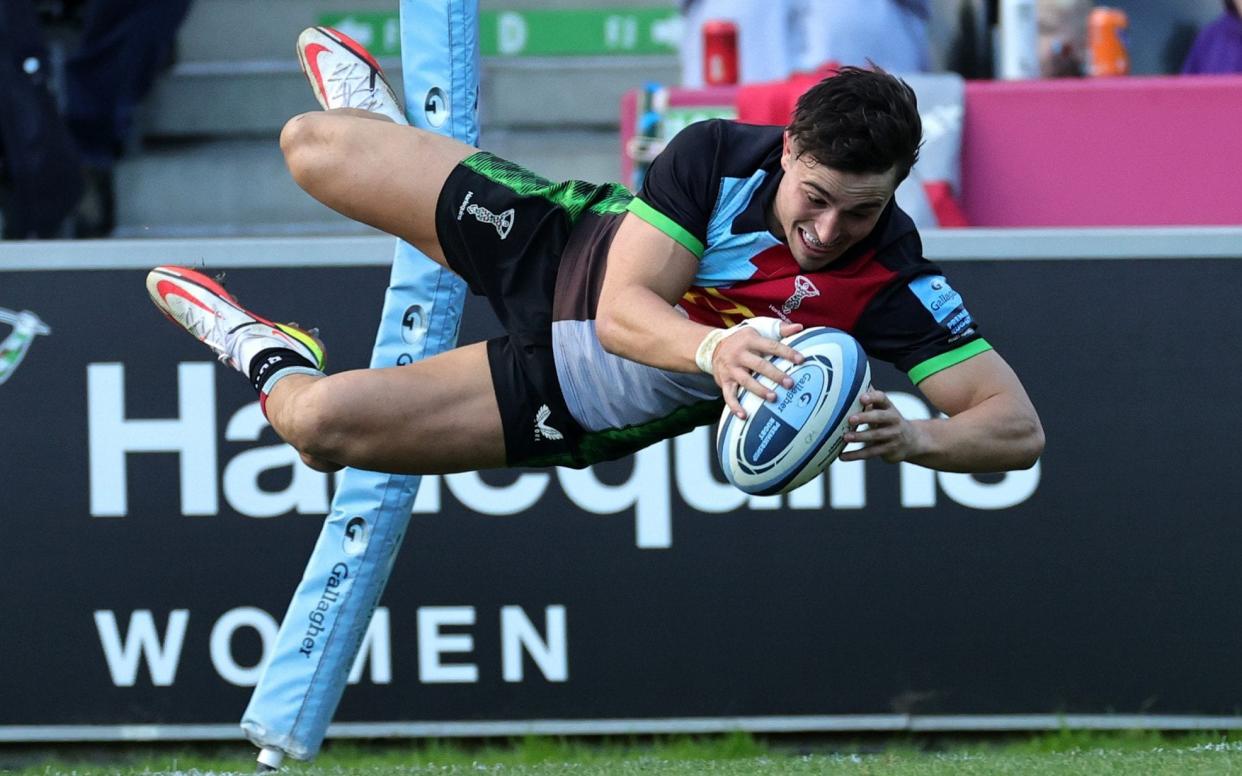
(785,443)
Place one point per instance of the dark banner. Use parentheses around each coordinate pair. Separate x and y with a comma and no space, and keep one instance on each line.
(154,529)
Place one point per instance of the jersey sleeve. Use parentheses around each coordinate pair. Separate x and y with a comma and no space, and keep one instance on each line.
(919,323)
(680,187)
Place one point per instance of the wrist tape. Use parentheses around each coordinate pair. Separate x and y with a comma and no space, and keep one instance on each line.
(766,327)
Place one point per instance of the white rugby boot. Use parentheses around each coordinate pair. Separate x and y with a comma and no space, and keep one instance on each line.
(213,316)
(344,75)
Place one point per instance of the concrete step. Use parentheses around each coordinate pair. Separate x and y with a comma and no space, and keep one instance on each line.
(245,30)
(553,92)
(237,74)
(208,162)
(219,187)
(235,98)
(241,186)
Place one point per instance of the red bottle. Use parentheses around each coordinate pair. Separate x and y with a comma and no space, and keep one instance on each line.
(719,53)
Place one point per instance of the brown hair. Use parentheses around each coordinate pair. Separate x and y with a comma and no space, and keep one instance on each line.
(859,120)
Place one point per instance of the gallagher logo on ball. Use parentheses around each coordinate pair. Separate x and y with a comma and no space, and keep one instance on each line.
(785,443)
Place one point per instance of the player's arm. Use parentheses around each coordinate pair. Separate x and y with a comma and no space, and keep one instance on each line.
(648,272)
(992,425)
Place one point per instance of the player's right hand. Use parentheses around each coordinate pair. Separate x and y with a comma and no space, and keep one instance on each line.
(743,355)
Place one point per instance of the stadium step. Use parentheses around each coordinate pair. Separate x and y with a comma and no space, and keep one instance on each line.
(208,162)
(252,85)
(239,98)
(240,186)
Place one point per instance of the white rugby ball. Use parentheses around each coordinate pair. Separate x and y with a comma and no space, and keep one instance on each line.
(785,443)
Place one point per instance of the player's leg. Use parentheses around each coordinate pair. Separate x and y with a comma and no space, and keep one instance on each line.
(433,416)
(437,415)
(320,465)
(379,173)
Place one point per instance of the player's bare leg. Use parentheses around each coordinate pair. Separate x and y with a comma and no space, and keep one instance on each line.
(430,417)
(320,465)
(379,173)
(433,416)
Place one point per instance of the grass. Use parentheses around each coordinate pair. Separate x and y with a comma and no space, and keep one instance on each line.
(1059,754)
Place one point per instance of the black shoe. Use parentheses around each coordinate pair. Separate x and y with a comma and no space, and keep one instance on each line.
(96,213)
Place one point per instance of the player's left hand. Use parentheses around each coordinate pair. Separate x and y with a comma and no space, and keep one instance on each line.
(887,435)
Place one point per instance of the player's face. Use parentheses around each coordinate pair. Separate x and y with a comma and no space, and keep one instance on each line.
(821,212)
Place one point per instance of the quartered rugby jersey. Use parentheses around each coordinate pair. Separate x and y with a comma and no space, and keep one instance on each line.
(710,190)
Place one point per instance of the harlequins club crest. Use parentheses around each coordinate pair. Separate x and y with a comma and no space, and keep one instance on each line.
(502,221)
(26,326)
(803,289)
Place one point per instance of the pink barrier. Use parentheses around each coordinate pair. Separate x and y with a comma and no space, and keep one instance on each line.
(1087,152)
(1115,152)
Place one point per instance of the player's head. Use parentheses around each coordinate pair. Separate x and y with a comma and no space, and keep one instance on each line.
(859,121)
(854,137)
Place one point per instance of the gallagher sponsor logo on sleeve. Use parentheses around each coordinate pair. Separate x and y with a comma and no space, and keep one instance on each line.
(942,302)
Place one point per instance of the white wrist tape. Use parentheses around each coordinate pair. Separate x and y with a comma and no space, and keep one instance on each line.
(766,327)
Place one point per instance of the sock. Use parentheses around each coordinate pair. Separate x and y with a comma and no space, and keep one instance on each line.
(271,364)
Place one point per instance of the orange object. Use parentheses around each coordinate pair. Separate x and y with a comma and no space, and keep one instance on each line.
(719,53)
(1106,39)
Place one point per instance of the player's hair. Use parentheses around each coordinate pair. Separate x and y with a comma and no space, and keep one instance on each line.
(861,121)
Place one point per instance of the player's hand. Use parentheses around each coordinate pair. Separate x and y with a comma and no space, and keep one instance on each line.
(743,355)
(887,435)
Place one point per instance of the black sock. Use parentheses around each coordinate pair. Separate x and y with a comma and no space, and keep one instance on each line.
(265,365)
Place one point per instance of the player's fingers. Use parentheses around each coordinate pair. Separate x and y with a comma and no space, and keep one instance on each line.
(750,383)
(874,418)
(775,348)
(760,365)
(860,454)
(729,389)
(874,414)
(748,357)
(872,435)
(876,399)
(790,328)
(769,348)
(869,451)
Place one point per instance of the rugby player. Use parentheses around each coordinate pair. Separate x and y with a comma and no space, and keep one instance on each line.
(628,319)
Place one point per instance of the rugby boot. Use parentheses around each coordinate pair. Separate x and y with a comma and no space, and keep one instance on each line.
(344,75)
(214,317)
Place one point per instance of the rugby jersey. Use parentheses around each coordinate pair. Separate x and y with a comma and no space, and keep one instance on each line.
(710,190)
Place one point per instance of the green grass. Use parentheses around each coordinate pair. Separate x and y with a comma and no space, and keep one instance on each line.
(1059,754)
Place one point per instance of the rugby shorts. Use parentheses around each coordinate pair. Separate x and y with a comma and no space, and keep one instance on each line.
(503,229)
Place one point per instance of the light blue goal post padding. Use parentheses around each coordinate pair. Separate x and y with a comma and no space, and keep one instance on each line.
(321,633)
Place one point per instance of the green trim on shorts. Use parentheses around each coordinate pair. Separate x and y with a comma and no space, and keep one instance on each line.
(613,443)
(574,197)
(945,360)
(667,225)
